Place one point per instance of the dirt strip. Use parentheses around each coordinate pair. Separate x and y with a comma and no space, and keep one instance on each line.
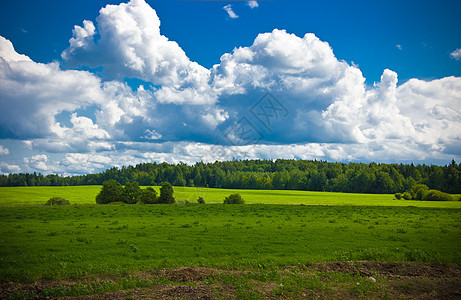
(392,280)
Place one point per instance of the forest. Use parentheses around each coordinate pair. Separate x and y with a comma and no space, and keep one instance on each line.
(282,174)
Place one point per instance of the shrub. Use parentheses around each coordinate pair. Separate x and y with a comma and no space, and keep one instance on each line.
(234,199)
(111,191)
(149,196)
(200,200)
(435,195)
(418,191)
(406,196)
(166,194)
(398,196)
(57,201)
(131,193)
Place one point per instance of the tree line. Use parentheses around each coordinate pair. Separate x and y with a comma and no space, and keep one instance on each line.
(280,174)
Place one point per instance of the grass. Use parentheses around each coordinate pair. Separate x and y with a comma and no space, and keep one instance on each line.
(17,196)
(297,283)
(87,249)
(14,196)
(71,241)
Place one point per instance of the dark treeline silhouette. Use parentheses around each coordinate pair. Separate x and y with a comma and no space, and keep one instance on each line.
(267,174)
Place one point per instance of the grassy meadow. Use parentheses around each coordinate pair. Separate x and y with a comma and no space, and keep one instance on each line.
(68,241)
(39,242)
(14,196)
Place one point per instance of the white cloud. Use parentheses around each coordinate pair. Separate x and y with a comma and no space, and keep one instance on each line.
(6,168)
(278,61)
(456,54)
(230,12)
(329,100)
(190,152)
(83,38)
(4,151)
(84,128)
(8,54)
(131,45)
(399,47)
(31,94)
(216,117)
(151,134)
(37,162)
(79,163)
(434,109)
(252,4)
(306,76)
(287,53)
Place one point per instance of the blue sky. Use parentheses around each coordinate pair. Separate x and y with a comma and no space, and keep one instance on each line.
(365,32)
(372,81)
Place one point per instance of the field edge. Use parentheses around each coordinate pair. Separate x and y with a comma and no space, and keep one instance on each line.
(359,279)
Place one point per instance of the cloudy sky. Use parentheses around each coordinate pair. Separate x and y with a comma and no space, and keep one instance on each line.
(87,85)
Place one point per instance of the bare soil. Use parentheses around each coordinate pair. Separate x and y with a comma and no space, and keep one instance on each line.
(395,280)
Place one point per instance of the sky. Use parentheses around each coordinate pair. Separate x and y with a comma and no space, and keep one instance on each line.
(87,85)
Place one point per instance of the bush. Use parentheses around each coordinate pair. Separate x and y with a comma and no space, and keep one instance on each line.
(111,191)
(398,196)
(435,195)
(200,200)
(418,191)
(234,199)
(166,194)
(149,196)
(57,201)
(406,196)
(131,193)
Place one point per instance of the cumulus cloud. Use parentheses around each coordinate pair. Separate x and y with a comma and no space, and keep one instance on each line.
(230,12)
(130,45)
(456,54)
(329,100)
(280,61)
(85,128)
(83,38)
(31,94)
(215,117)
(434,110)
(304,74)
(252,4)
(37,162)
(319,106)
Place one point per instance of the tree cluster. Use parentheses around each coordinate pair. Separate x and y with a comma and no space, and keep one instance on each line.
(267,174)
(113,191)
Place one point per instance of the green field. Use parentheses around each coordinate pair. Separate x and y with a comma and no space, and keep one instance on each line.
(60,242)
(14,196)
(40,242)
